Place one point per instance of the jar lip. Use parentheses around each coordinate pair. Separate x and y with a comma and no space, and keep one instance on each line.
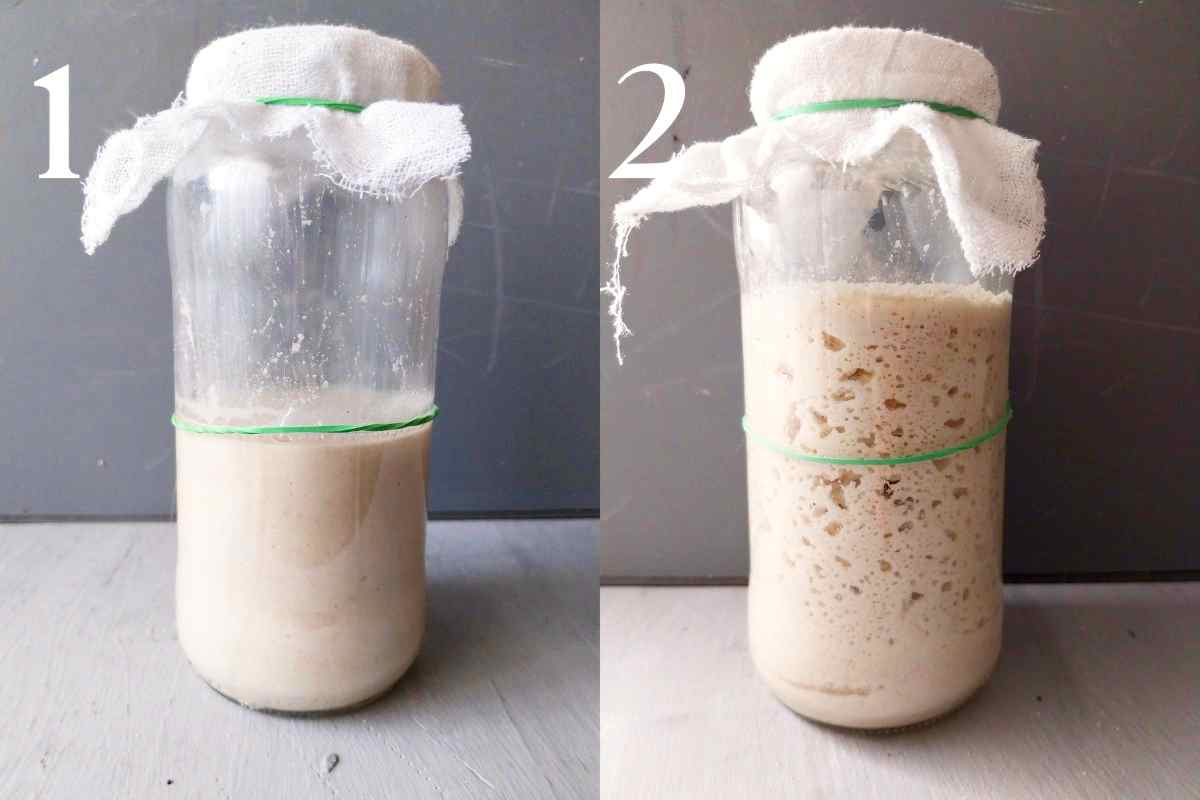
(394,80)
(857,62)
(311,61)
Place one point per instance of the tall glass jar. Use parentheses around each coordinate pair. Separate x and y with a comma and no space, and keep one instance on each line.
(300,579)
(871,355)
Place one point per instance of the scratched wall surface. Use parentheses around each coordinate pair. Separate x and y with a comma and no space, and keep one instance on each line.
(85,344)
(1105,450)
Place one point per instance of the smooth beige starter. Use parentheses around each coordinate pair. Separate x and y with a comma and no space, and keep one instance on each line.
(301,572)
(875,592)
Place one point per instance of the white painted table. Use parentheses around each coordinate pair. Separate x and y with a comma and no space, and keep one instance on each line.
(1097,696)
(97,700)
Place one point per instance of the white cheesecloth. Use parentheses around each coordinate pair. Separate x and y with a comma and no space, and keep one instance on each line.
(400,140)
(987,175)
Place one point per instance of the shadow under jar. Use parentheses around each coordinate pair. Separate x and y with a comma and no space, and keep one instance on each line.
(300,582)
(875,588)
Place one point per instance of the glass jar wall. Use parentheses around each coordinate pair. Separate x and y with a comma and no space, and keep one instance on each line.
(870,350)
(299,304)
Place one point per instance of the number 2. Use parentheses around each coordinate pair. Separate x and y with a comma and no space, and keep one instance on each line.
(673,93)
(58,85)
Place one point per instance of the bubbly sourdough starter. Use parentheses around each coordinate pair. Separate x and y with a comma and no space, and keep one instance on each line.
(300,580)
(875,595)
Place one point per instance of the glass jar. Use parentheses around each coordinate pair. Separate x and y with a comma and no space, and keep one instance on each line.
(875,586)
(300,581)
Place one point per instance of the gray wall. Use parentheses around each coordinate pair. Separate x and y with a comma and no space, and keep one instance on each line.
(85,344)
(1104,452)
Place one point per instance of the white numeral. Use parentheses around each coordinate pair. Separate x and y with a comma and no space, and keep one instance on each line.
(673,92)
(58,85)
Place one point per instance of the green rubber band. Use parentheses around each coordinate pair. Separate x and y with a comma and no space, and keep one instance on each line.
(337,105)
(882,462)
(874,102)
(196,427)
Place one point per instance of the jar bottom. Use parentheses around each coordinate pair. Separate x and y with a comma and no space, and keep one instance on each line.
(886,731)
(905,722)
(335,711)
(351,708)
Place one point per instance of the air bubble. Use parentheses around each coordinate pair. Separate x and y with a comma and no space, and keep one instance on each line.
(859,375)
(831,342)
(838,496)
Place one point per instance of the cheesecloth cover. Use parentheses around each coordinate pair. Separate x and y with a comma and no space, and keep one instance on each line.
(400,140)
(987,175)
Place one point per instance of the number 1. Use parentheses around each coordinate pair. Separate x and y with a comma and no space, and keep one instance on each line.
(58,85)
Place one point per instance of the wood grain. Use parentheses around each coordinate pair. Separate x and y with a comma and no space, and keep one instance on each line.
(1097,696)
(98,701)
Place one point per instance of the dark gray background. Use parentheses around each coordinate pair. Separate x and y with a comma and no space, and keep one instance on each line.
(1104,452)
(85,344)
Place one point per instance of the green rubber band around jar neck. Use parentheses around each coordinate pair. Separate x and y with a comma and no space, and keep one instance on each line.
(198,427)
(874,102)
(336,105)
(931,455)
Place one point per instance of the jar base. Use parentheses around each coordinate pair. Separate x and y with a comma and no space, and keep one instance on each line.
(901,722)
(349,708)
(889,730)
(333,710)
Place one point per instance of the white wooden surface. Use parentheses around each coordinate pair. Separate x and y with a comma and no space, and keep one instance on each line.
(97,701)
(1097,696)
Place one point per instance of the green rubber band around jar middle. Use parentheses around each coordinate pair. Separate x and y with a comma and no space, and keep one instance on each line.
(931,455)
(198,427)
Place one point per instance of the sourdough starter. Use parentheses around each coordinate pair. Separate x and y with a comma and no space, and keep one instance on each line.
(875,594)
(301,571)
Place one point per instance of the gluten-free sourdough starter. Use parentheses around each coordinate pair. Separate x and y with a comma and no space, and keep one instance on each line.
(301,571)
(875,591)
